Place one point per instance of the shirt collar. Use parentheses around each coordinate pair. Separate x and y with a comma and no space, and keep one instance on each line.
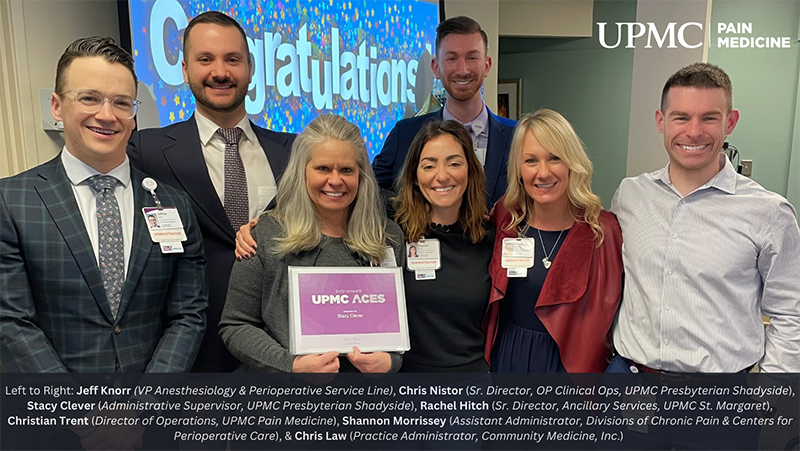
(724,180)
(208,129)
(78,171)
(483,117)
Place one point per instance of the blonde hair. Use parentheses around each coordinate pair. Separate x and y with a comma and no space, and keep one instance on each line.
(556,135)
(413,210)
(295,212)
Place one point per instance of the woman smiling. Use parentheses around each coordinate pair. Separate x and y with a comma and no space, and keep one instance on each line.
(328,213)
(555,314)
(441,204)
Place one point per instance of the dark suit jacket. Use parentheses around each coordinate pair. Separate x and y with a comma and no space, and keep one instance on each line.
(387,164)
(54,314)
(174,155)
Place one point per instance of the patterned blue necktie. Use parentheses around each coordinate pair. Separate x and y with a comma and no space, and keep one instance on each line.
(236,201)
(110,244)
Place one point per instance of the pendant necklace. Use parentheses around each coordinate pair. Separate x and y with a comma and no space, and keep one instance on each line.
(546,260)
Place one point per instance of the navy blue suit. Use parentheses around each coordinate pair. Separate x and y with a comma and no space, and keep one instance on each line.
(174,155)
(387,164)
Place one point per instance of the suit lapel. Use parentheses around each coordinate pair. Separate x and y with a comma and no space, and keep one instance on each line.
(276,155)
(141,244)
(185,157)
(496,148)
(57,195)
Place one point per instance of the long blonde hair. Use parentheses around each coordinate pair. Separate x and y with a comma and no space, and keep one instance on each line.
(556,135)
(295,212)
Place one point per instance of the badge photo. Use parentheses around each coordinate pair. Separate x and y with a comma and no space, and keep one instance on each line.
(423,255)
(517,253)
(164,224)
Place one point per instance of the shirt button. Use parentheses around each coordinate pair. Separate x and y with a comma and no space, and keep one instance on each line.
(667,308)
(669,272)
(666,342)
(117,330)
(675,236)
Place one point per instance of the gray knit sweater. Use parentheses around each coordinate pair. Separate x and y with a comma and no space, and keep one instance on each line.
(255,320)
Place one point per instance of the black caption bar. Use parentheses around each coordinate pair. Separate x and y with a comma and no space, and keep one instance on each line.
(399,411)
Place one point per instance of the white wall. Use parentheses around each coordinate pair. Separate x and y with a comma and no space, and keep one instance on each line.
(651,68)
(35,34)
(550,18)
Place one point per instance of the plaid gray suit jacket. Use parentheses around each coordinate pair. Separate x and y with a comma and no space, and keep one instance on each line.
(54,314)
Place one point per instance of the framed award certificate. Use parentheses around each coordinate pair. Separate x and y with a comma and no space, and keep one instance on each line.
(336,308)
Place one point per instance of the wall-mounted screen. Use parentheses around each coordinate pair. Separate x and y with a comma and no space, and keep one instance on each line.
(368,60)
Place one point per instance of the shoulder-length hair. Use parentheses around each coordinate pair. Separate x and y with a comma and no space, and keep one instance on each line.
(295,212)
(413,210)
(556,135)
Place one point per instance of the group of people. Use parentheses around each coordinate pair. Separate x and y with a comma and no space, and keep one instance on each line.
(532,267)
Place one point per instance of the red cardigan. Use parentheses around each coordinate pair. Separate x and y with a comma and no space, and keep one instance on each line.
(580,296)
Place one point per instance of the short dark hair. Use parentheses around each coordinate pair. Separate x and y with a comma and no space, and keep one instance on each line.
(93,46)
(459,25)
(699,75)
(218,18)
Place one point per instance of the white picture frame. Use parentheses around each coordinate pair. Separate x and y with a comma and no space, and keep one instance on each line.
(336,308)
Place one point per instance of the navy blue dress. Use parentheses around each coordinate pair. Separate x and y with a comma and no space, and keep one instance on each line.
(523,344)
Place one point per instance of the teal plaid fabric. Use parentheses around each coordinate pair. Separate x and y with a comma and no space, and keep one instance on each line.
(54,312)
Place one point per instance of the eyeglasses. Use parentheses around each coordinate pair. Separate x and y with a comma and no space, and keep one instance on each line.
(124,107)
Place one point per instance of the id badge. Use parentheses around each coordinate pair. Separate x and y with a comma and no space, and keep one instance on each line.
(424,255)
(517,253)
(388,260)
(164,225)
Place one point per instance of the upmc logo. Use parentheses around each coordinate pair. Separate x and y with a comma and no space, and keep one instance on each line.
(637,30)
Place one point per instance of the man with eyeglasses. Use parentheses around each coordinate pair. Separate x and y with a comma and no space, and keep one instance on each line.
(84,287)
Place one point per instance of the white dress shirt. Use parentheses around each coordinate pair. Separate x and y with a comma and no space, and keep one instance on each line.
(78,173)
(261,186)
(480,141)
(699,271)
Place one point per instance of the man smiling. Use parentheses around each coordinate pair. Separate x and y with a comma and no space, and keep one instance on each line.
(462,64)
(85,289)
(707,251)
(227,165)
